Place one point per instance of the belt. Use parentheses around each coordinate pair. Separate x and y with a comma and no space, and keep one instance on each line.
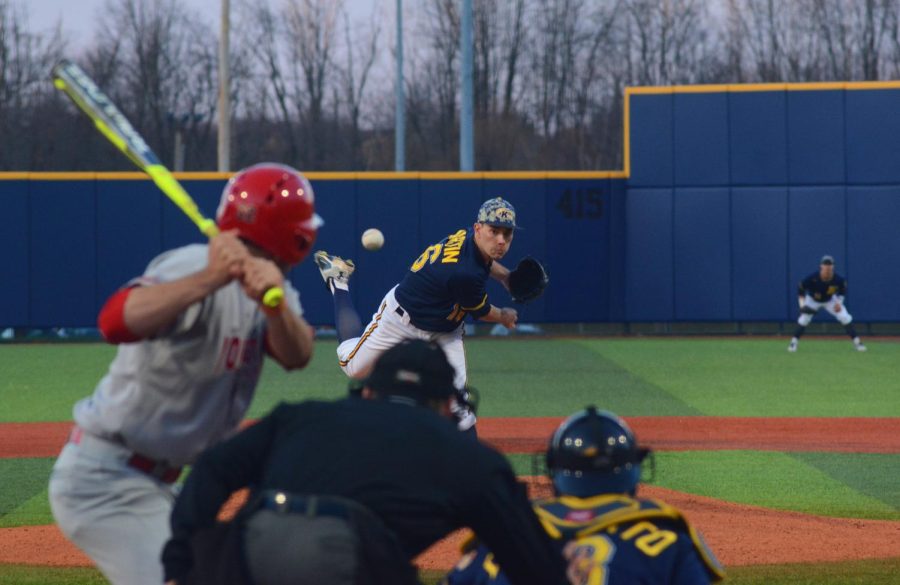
(399,310)
(152,467)
(311,506)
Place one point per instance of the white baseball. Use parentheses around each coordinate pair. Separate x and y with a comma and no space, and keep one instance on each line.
(372,239)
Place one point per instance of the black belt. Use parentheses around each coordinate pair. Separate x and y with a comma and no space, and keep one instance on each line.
(399,310)
(311,506)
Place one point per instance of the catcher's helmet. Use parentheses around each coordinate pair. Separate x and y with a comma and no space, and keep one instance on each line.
(594,452)
(272,206)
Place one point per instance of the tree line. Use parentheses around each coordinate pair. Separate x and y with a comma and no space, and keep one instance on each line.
(312,85)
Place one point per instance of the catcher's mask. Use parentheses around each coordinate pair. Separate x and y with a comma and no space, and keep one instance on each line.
(272,206)
(594,452)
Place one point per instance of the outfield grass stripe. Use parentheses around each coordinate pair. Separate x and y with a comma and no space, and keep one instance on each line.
(557,377)
(758,377)
(544,377)
(767,479)
(875,475)
(35,511)
(23,480)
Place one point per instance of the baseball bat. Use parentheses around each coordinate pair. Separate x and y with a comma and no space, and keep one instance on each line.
(112,123)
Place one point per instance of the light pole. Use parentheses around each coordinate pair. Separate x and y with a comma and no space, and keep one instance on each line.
(466,123)
(400,110)
(224,145)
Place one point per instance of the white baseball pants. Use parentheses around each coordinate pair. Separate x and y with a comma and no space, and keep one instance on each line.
(843,316)
(389,326)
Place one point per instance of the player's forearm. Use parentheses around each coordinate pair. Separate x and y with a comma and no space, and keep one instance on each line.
(150,309)
(290,338)
(500,273)
(495,315)
(505,316)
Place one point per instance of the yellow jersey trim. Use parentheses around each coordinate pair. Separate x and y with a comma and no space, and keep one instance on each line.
(365,336)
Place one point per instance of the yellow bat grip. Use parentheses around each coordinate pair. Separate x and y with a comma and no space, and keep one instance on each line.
(273,297)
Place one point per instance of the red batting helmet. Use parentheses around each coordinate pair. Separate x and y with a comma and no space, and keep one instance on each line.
(272,206)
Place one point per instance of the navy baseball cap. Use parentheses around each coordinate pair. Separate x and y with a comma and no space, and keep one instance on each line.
(827,260)
(498,212)
(415,368)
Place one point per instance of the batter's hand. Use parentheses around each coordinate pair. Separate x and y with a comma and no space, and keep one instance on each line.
(837,307)
(508,317)
(259,275)
(226,257)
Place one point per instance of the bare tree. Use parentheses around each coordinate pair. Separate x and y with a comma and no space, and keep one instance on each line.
(159,63)
(354,72)
(311,33)
(25,61)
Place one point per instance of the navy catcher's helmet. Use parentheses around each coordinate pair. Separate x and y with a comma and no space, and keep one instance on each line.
(594,452)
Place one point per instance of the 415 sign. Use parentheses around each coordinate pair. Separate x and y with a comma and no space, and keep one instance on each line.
(581,203)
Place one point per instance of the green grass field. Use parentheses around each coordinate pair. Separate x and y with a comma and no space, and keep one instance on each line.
(555,377)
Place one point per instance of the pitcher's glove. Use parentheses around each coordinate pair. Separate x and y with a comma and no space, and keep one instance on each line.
(528,281)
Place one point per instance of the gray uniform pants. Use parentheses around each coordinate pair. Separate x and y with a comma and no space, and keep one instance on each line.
(117,515)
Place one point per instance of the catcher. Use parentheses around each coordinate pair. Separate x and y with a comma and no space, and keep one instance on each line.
(606,533)
(444,285)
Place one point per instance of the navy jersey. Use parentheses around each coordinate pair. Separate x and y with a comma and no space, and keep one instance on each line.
(610,540)
(822,291)
(446,283)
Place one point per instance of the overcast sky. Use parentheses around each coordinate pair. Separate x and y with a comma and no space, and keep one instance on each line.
(78,17)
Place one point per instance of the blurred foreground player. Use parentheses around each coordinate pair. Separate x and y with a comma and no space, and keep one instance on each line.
(192,333)
(608,535)
(349,492)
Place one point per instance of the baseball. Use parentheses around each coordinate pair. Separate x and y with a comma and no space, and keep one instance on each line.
(372,239)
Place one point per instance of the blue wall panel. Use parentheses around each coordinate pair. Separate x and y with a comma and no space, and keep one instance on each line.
(759,262)
(758,138)
(873,149)
(873,253)
(14,294)
(816,137)
(393,205)
(701,139)
(816,226)
(578,217)
(129,232)
(177,229)
(446,206)
(702,254)
(63,262)
(617,249)
(651,140)
(529,199)
(336,203)
(649,290)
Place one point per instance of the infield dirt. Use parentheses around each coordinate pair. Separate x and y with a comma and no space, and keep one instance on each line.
(739,534)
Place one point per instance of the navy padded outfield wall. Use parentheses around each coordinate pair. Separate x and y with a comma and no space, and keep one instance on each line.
(78,237)
(736,192)
(729,196)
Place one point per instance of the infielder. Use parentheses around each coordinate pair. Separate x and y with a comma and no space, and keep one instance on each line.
(824,289)
(192,334)
(444,285)
(607,534)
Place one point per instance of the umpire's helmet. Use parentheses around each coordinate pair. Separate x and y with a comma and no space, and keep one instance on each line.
(273,206)
(594,452)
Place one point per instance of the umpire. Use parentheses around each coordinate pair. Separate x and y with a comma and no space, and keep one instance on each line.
(349,492)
